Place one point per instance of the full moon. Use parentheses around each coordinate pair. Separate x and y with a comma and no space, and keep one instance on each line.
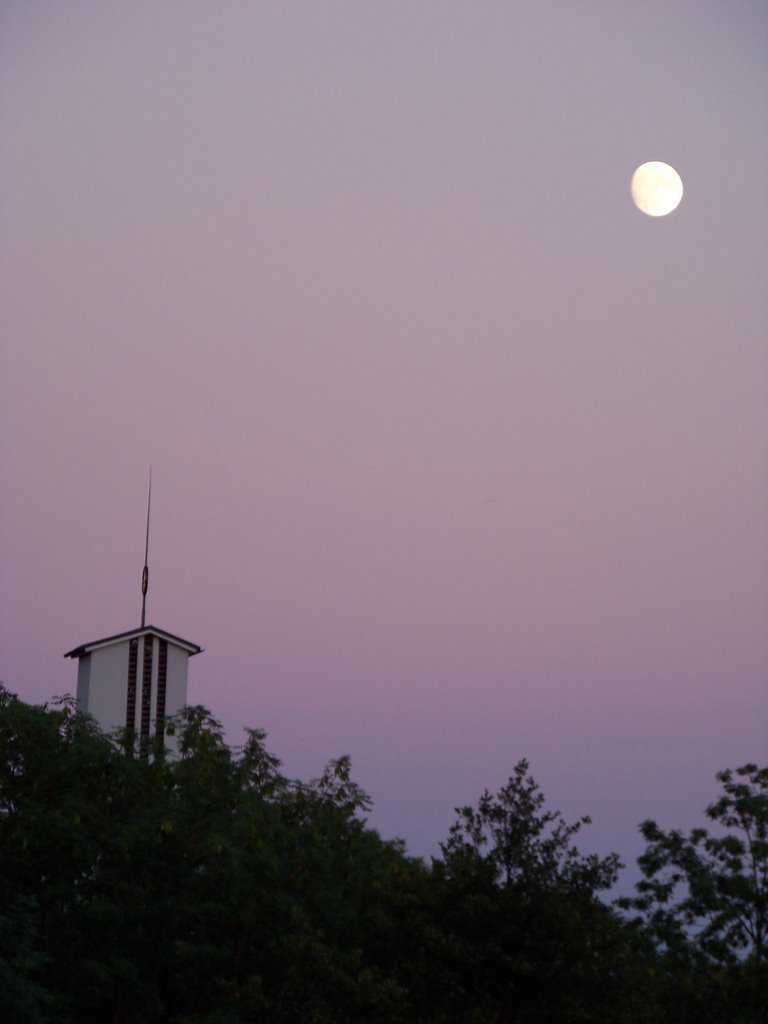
(656,188)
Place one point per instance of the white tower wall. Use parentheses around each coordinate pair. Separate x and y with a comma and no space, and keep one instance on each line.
(104,697)
(112,674)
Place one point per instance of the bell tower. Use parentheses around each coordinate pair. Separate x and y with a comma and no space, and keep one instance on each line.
(137,679)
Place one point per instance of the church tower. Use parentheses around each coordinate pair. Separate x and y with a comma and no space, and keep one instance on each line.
(133,680)
(138,679)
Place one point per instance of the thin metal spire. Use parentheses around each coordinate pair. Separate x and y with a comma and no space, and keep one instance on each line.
(145,571)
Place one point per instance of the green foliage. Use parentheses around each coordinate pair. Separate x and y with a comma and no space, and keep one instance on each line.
(520,918)
(704,898)
(521,843)
(209,888)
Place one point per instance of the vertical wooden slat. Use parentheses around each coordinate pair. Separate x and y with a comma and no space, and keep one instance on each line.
(162,670)
(146,691)
(130,701)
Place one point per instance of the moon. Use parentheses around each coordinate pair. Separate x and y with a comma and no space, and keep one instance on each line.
(656,188)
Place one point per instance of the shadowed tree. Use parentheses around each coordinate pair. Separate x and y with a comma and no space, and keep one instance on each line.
(523,843)
(704,898)
(524,935)
(208,888)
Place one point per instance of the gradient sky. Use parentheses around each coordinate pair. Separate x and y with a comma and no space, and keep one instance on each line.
(457,456)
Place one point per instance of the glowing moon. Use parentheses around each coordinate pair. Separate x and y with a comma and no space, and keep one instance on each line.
(656,188)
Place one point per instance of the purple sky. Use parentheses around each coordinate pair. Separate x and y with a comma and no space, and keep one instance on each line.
(457,456)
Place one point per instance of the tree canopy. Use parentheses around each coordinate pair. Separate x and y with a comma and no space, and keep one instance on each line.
(209,888)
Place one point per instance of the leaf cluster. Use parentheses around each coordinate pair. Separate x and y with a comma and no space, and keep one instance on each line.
(704,899)
(209,888)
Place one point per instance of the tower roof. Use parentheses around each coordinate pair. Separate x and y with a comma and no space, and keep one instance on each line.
(107,641)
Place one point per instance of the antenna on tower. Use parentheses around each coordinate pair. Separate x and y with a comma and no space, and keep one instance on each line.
(145,570)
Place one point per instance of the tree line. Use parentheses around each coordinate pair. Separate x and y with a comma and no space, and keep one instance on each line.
(208,888)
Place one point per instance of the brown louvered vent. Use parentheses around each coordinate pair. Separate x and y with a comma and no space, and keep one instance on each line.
(130,702)
(146,692)
(162,670)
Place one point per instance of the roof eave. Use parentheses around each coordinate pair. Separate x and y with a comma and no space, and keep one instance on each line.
(83,649)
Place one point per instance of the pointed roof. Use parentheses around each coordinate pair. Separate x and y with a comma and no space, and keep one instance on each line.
(83,649)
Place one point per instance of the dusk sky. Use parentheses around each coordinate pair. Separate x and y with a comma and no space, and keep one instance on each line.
(457,456)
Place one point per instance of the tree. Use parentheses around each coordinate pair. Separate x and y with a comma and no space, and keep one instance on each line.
(704,896)
(522,843)
(523,936)
(208,888)
(201,889)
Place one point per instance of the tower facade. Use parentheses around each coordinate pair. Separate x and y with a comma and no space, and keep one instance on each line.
(134,680)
